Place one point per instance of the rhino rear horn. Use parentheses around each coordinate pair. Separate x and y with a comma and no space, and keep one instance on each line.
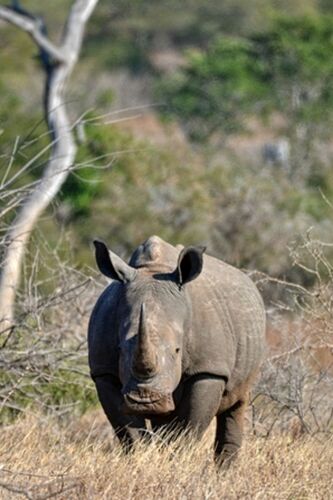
(111,265)
(189,266)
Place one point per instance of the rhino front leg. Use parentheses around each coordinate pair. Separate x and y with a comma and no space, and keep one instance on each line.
(229,433)
(200,403)
(127,428)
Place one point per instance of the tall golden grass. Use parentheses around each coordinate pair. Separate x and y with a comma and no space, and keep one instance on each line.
(43,458)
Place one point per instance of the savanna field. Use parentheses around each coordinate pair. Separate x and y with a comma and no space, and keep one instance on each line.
(60,445)
(208,124)
(42,458)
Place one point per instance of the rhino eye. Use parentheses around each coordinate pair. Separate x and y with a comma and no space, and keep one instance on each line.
(177,350)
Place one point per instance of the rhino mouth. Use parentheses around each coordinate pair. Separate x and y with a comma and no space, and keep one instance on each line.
(152,403)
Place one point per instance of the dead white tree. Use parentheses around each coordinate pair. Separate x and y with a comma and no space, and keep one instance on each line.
(58,63)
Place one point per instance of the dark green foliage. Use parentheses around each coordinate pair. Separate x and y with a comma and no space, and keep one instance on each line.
(287,69)
(50,392)
(218,87)
(83,184)
(297,53)
(66,387)
(143,25)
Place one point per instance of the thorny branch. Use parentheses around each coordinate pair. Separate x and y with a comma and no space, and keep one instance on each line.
(295,390)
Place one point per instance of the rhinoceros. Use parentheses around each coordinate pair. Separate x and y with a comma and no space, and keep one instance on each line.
(176,338)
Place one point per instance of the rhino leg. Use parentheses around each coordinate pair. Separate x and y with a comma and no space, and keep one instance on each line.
(229,433)
(201,400)
(128,429)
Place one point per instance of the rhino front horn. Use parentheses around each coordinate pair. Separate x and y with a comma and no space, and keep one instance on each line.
(145,363)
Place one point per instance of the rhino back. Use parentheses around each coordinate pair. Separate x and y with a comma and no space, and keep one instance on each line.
(227,337)
(102,332)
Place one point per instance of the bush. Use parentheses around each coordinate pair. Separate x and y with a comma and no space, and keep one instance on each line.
(43,357)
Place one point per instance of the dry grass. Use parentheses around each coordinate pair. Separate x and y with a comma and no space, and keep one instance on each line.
(43,365)
(42,458)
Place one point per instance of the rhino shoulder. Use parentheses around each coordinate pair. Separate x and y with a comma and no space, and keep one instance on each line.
(228,322)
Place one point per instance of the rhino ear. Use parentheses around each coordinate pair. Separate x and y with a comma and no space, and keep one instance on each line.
(111,265)
(189,264)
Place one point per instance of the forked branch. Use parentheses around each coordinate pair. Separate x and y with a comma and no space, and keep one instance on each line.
(58,63)
(34,27)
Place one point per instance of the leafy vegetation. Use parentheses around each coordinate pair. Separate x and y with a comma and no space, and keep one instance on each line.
(124,190)
(287,69)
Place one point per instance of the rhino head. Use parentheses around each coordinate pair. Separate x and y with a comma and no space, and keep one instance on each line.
(152,318)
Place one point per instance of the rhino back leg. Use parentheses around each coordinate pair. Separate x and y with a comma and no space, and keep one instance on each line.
(128,428)
(229,433)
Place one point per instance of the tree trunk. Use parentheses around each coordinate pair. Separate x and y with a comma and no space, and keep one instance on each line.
(58,64)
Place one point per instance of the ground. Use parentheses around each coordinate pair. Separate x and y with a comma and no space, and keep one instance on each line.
(42,458)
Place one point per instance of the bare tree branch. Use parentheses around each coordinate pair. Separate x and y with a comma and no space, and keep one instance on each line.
(58,64)
(33,27)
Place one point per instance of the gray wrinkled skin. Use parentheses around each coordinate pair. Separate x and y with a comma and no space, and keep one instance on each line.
(176,338)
